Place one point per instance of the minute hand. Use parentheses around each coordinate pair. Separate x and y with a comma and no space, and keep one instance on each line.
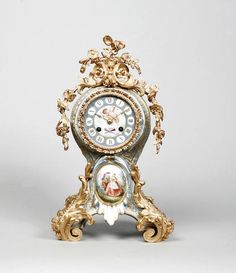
(122,112)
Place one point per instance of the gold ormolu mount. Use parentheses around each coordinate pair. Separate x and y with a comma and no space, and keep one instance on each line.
(110,70)
(70,220)
(155,225)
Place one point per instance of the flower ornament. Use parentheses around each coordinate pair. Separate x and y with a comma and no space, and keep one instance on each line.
(92,54)
(112,70)
(115,46)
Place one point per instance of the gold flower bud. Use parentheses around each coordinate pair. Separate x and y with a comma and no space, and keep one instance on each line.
(69,95)
(120,45)
(82,69)
(92,54)
(107,40)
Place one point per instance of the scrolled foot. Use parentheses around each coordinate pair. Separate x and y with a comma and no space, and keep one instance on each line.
(69,226)
(69,222)
(152,222)
(155,230)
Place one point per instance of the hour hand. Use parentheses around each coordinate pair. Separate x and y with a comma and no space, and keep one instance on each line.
(109,119)
(99,115)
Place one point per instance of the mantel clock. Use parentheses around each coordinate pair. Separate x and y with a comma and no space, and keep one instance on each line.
(110,122)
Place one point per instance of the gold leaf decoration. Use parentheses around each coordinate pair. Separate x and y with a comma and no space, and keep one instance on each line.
(69,222)
(152,222)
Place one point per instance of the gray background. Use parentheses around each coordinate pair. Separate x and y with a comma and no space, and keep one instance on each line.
(188,47)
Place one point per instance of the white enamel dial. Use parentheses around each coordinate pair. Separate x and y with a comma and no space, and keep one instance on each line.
(109,121)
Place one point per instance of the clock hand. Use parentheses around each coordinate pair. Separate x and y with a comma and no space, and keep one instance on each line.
(108,119)
(99,116)
(122,112)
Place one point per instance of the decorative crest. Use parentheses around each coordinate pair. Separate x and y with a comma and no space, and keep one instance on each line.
(110,70)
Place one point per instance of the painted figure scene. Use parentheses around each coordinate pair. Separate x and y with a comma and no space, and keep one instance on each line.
(111,183)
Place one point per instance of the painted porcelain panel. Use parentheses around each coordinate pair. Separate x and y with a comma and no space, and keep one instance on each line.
(111,183)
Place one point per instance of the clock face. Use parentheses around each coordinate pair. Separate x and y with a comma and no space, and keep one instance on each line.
(109,122)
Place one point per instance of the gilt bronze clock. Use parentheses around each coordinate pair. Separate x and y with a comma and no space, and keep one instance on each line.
(110,122)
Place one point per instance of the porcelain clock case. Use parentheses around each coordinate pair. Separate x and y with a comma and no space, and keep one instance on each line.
(111,127)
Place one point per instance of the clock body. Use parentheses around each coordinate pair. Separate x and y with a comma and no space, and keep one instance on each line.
(111,127)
